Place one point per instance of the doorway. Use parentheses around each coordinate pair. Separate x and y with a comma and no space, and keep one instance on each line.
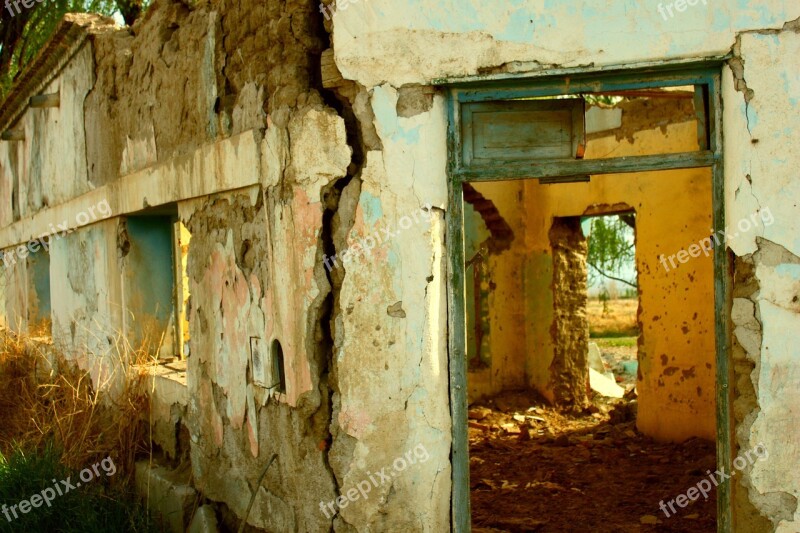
(524,382)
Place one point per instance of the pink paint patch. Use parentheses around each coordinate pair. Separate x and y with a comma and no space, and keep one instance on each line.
(354,423)
(251,436)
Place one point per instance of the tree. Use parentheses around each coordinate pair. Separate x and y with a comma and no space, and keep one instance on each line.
(611,246)
(23,33)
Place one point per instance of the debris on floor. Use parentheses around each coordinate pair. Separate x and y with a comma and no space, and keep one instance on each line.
(533,468)
(604,385)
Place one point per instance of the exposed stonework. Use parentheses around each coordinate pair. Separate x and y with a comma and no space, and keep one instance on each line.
(570,329)
(754,504)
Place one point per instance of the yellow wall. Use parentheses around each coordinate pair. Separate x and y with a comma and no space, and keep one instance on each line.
(676,309)
(676,315)
(506,306)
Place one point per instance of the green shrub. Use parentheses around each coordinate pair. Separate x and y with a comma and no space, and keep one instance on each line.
(92,507)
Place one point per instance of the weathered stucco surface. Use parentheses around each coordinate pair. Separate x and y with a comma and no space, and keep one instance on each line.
(380,43)
(761,171)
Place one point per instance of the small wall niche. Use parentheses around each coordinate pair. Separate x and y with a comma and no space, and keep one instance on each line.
(278,373)
(267,367)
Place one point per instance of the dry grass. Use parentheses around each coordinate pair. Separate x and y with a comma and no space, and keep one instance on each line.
(617,319)
(37,407)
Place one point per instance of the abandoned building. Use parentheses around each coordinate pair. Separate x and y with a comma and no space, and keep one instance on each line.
(340,226)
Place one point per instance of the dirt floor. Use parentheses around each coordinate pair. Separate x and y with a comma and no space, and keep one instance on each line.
(532,469)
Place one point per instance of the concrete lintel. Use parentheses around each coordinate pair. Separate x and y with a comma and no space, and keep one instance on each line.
(45,100)
(229,164)
(13,135)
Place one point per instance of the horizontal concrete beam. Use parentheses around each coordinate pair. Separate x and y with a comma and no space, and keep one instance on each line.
(229,164)
(45,100)
(13,135)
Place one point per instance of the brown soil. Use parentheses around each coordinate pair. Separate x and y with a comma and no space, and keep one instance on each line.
(534,469)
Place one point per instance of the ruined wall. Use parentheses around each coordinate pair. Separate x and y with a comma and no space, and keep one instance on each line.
(216,106)
(676,307)
(234,425)
(506,318)
(390,356)
(187,74)
(49,167)
(15,302)
(466,39)
(87,301)
(761,172)
(569,329)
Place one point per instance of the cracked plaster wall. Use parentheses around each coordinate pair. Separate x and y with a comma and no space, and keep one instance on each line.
(239,271)
(163,98)
(761,172)
(370,394)
(383,45)
(50,166)
(86,303)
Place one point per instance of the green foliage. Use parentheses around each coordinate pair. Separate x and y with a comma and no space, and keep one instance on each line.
(93,507)
(24,34)
(611,247)
(602,99)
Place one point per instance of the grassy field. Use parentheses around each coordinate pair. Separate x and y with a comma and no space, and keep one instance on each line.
(617,320)
(615,342)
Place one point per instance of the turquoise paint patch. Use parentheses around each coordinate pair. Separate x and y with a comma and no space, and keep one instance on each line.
(590,13)
(441,18)
(789,85)
(385,112)
(721,20)
(790,271)
(752,117)
(749,15)
(386,115)
(520,28)
(409,136)
(393,259)
(371,208)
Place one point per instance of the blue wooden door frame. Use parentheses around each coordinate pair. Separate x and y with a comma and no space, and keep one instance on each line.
(580,81)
